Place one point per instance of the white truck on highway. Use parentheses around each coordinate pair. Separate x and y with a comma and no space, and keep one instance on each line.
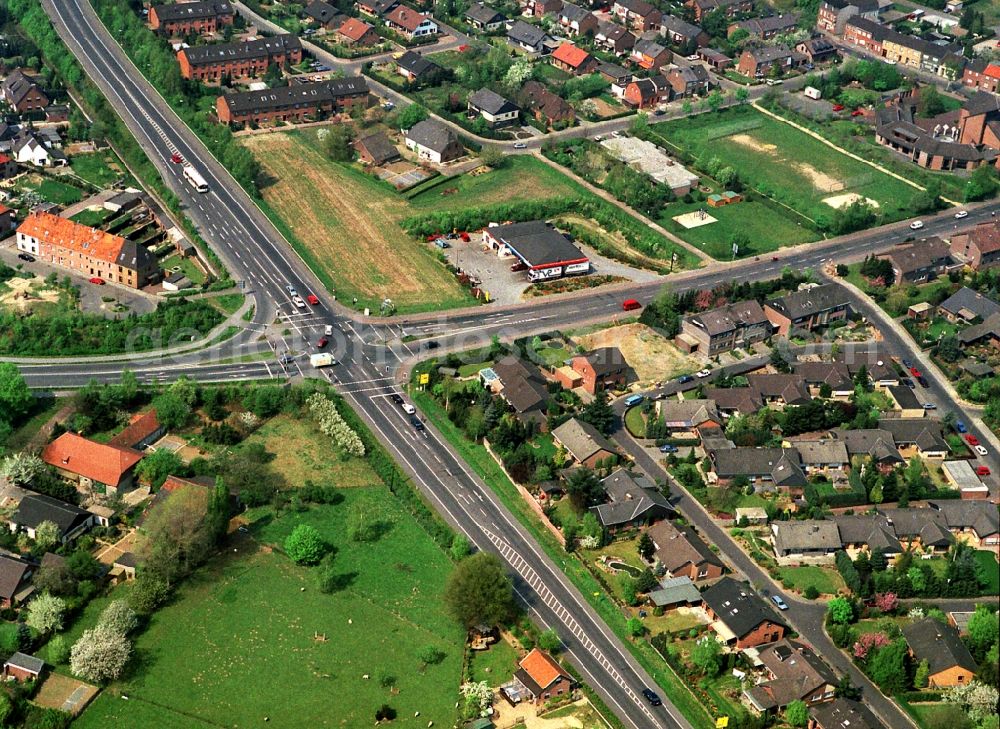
(194,177)
(323,359)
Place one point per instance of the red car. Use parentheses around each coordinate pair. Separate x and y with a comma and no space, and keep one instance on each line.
(857,112)
(982,471)
(433,237)
(322,342)
(972,440)
(176,158)
(838,107)
(464,236)
(631,305)
(97,280)
(463,48)
(313,299)
(915,372)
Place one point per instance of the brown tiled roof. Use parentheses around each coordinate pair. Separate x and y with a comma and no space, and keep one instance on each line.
(102,463)
(354,29)
(542,668)
(140,427)
(56,230)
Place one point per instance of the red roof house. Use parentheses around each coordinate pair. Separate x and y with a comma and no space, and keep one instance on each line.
(574,60)
(142,429)
(86,462)
(542,676)
(358,32)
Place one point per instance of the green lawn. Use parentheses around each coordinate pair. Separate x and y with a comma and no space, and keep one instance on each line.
(187,266)
(784,163)
(92,216)
(495,666)
(635,422)
(98,168)
(57,192)
(824,579)
(239,642)
(988,568)
(22,435)
(227,303)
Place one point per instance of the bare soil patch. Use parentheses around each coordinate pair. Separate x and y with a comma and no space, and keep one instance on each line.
(652,356)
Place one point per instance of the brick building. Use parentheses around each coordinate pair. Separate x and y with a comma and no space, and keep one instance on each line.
(739,616)
(295,103)
(978,247)
(188,18)
(238,60)
(86,250)
(22,93)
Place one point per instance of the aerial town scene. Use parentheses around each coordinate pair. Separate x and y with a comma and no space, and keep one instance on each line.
(500,364)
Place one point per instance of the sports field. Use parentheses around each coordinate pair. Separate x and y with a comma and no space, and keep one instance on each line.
(251,636)
(784,163)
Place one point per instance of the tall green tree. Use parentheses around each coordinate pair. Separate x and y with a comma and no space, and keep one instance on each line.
(479,592)
(598,413)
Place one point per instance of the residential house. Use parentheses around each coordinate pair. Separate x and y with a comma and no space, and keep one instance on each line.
(949,660)
(356,32)
(583,443)
(324,15)
(731,8)
(734,400)
(975,522)
(540,8)
(817,50)
(88,463)
(833,15)
(905,402)
(417,68)
(843,714)
(767,469)
(15,586)
(527,37)
(242,59)
(980,73)
(715,58)
(874,362)
(434,142)
(807,309)
(684,417)
(909,50)
(409,23)
(574,60)
(675,592)
(834,375)
(650,55)
(576,21)
(967,305)
(794,673)
(633,501)
(8,219)
(375,8)
(739,616)
(978,247)
(920,261)
(874,443)
(484,18)
(613,38)
(919,435)
(780,389)
(682,553)
(88,251)
(767,61)
(22,93)
(988,333)
(29,150)
(619,76)
(822,456)
(686,81)
(637,15)
(767,27)
(71,521)
(522,387)
(604,368)
(493,108)
(645,93)
(376,149)
(795,540)
(541,678)
(22,667)
(181,19)
(143,430)
(294,103)
(865,34)
(547,106)
(739,325)
(681,33)
(8,167)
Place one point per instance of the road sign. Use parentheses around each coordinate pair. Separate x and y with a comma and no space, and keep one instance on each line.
(424,378)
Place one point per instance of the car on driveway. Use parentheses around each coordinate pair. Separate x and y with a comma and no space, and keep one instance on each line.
(776,599)
(668,448)
(26,257)
(652,697)
(982,471)
(97,280)
(685,379)
(981,450)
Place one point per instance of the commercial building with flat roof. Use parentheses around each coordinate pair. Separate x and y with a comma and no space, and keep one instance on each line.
(544,251)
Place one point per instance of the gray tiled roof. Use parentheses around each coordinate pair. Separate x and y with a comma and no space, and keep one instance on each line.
(939,645)
(630,498)
(431,134)
(240,50)
(581,439)
(966,298)
(810,301)
(738,606)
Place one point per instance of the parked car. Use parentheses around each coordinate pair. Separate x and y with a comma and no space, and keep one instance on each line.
(776,599)
(633,400)
(930,406)
(518,266)
(906,363)
(322,342)
(668,448)
(923,381)
(97,280)
(651,697)
(520,145)
(960,427)
(631,305)
(982,451)
(328,330)
(857,112)
(915,372)
(982,471)
(286,359)
(432,344)
(291,290)
(838,107)
(683,379)
(908,382)
(704,373)
(26,257)
(442,243)
(464,236)
(971,440)
(313,299)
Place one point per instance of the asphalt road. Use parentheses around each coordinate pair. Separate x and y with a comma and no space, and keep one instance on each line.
(255,252)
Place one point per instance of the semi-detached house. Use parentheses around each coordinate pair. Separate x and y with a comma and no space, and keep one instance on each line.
(738,325)
(979,247)
(807,309)
(833,15)
(238,60)
(637,15)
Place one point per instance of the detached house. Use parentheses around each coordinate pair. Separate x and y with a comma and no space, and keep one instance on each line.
(766,468)
(613,38)
(729,327)
(418,69)
(739,616)
(376,149)
(493,108)
(576,21)
(807,309)
(920,261)
(409,23)
(521,386)
(22,93)
(949,660)
(324,15)
(484,18)
(547,106)
(574,60)
(683,554)
(539,677)
(88,463)
(689,416)
(632,502)
(780,389)
(795,673)
(71,521)
(527,37)
(15,585)
(638,15)
(843,714)
(650,55)
(978,247)
(603,368)
(583,442)
(968,305)
(355,32)
(434,142)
